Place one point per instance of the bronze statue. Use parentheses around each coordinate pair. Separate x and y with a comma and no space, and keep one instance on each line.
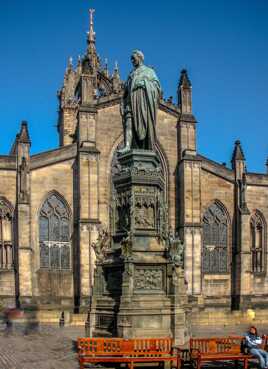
(139,105)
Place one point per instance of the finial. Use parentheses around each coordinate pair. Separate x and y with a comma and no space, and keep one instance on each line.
(117,84)
(116,68)
(116,71)
(184,79)
(24,136)
(69,66)
(238,153)
(105,69)
(106,63)
(91,33)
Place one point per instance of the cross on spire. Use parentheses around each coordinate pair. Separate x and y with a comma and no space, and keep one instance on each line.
(91,33)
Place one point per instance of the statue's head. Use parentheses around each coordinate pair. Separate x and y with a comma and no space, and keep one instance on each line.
(137,58)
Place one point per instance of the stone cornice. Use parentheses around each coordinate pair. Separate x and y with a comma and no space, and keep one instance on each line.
(53,156)
(169,108)
(257,179)
(217,169)
(8,162)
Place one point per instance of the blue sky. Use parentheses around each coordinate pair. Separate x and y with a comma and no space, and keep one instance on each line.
(222,43)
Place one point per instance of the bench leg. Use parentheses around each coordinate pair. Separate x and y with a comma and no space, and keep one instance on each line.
(130,365)
(167,364)
(246,364)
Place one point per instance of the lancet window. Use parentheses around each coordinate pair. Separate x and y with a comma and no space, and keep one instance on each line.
(257,240)
(6,247)
(215,240)
(54,234)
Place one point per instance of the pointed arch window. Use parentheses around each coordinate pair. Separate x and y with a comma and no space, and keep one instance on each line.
(257,241)
(6,237)
(54,234)
(215,240)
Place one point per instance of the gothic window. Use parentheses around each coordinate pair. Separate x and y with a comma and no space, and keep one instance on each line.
(215,240)
(54,235)
(6,249)
(257,241)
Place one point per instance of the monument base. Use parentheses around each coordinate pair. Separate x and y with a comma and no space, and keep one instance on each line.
(139,288)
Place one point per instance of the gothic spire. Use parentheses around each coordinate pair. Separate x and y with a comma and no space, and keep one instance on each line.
(91,34)
(91,54)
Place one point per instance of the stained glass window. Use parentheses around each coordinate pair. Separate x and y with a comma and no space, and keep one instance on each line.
(6,248)
(215,240)
(54,234)
(257,240)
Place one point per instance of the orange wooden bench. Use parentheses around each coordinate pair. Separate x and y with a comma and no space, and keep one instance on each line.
(217,349)
(130,351)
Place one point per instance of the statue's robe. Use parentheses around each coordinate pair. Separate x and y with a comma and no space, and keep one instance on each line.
(141,101)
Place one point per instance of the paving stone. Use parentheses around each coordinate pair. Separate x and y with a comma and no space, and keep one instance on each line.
(54,348)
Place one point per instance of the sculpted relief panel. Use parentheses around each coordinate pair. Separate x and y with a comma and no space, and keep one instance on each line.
(148,279)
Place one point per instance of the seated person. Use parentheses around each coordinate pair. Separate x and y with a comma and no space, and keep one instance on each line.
(253,343)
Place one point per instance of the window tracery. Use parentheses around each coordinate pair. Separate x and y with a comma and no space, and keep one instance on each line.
(6,239)
(257,242)
(215,240)
(54,234)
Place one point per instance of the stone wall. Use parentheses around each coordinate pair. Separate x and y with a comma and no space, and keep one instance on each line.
(82,177)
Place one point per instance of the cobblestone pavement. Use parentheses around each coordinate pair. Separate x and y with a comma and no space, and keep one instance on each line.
(54,348)
(47,348)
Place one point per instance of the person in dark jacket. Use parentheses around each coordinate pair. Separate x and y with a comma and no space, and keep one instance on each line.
(253,342)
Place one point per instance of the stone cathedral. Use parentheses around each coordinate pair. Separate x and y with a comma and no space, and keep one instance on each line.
(57,208)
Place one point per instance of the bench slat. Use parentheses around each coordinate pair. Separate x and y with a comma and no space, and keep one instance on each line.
(218,349)
(126,350)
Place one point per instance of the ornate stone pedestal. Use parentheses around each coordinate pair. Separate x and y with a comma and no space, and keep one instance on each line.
(139,288)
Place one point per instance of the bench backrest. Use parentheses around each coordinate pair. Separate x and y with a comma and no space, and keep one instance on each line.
(215,345)
(119,346)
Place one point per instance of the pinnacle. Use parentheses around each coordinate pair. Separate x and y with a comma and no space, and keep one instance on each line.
(184,79)
(238,153)
(24,136)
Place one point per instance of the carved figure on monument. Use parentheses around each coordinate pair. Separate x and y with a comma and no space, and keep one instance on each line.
(243,191)
(23,180)
(139,105)
(101,246)
(175,249)
(126,245)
